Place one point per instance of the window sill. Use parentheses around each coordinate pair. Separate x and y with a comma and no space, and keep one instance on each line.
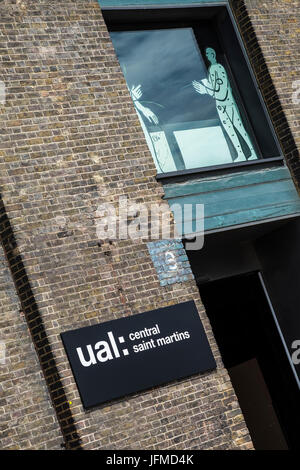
(183,175)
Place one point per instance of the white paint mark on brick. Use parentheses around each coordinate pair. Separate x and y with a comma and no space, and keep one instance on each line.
(2,352)
(2,92)
(296,94)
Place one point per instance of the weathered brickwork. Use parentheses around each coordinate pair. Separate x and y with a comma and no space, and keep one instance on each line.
(27,418)
(70,140)
(270,30)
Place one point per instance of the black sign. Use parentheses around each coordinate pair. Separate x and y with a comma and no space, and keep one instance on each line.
(124,356)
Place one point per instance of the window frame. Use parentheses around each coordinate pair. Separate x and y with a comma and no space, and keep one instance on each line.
(263,162)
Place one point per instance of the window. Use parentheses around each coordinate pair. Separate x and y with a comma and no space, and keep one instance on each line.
(192,89)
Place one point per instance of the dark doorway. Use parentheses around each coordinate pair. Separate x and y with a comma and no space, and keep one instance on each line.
(255,357)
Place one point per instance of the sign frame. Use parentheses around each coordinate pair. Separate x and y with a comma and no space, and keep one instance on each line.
(122,357)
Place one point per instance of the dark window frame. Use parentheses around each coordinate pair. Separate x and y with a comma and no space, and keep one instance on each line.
(137,17)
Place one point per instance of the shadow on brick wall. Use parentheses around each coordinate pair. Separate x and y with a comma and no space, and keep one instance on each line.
(38,333)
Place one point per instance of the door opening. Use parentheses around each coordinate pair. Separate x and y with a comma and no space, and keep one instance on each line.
(254,355)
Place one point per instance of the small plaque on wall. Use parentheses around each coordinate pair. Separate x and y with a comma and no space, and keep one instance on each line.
(120,357)
(170,261)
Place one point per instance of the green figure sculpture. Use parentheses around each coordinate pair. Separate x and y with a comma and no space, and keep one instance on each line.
(218,86)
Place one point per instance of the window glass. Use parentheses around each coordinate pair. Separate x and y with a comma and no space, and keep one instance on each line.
(184,99)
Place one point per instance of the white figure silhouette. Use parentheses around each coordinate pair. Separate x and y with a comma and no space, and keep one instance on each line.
(136,94)
(218,86)
(156,141)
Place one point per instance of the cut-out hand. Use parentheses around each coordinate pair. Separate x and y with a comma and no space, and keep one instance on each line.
(136,92)
(199,87)
(150,115)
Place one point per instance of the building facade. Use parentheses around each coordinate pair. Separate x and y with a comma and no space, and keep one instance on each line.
(75,136)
